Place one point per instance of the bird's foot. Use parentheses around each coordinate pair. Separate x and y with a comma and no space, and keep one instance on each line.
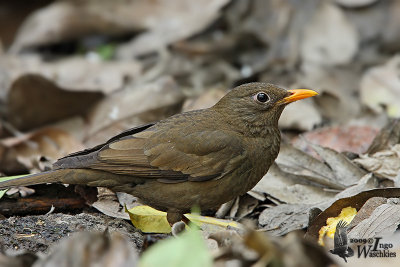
(178,228)
(177,221)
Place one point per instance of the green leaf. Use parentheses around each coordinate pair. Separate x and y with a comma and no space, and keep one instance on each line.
(2,192)
(7,178)
(3,179)
(106,51)
(188,249)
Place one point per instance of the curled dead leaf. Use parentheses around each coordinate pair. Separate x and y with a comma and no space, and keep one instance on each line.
(34,101)
(74,73)
(325,45)
(51,143)
(355,201)
(379,88)
(134,105)
(384,164)
(352,138)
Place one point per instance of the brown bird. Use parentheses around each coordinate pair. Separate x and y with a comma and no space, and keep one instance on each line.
(203,157)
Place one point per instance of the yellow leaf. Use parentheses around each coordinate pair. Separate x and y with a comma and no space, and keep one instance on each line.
(201,220)
(149,220)
(347,214)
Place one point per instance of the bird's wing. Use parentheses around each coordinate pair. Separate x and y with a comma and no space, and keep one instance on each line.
(340,237)
(68,160)
(83,159)
(203,155)
(148,153)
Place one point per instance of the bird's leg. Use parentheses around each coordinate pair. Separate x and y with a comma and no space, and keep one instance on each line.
(177,221)
(174,217)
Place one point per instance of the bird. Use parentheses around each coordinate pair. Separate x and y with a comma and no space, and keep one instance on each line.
(340,241)
(201,158)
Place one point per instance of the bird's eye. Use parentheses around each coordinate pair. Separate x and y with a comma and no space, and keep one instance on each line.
(261,97)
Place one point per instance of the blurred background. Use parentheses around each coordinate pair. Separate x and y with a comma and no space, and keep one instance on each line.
(74,73)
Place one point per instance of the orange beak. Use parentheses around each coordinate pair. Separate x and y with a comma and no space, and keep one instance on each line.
(297,94)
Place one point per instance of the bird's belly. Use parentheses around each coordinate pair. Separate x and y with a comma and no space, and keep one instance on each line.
(207,194)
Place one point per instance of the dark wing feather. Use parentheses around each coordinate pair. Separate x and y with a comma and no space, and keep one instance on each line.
(145,152)
(78,159)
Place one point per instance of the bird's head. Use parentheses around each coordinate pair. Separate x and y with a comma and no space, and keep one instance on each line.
(258,105)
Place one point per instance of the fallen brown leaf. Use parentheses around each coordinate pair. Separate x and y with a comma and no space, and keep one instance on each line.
(47,142)
(379,88)
(321,45)
(355,201)
(135,105)
(384,164)
(34,101)
(355,139)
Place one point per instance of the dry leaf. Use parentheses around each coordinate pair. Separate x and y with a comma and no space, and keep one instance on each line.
(355,201)
(380,88)
(355,139)
(325,45)
(78,73)
(346,172)
(284,218)
(355,3)
(337,88)
(247,204)
(297,162)
(108,204)
(384,164)
(280,31)
(212,225)
(387,137)
(75,126)
(167,22)
(175,21)
(132,106)
(370,22)
(301,115)
(390,35)
(73,73)
(383,221)
(92,249)
(288,188)
(367,182)
(150,220)
(366,210)
(22,260)
(34,101)
(47,142)
(205,100)
(259,249)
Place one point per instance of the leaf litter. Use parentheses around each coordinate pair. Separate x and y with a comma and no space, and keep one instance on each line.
(336,48)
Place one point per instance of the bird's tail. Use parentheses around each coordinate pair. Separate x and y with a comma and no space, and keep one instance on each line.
(39,178)
(65,176)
